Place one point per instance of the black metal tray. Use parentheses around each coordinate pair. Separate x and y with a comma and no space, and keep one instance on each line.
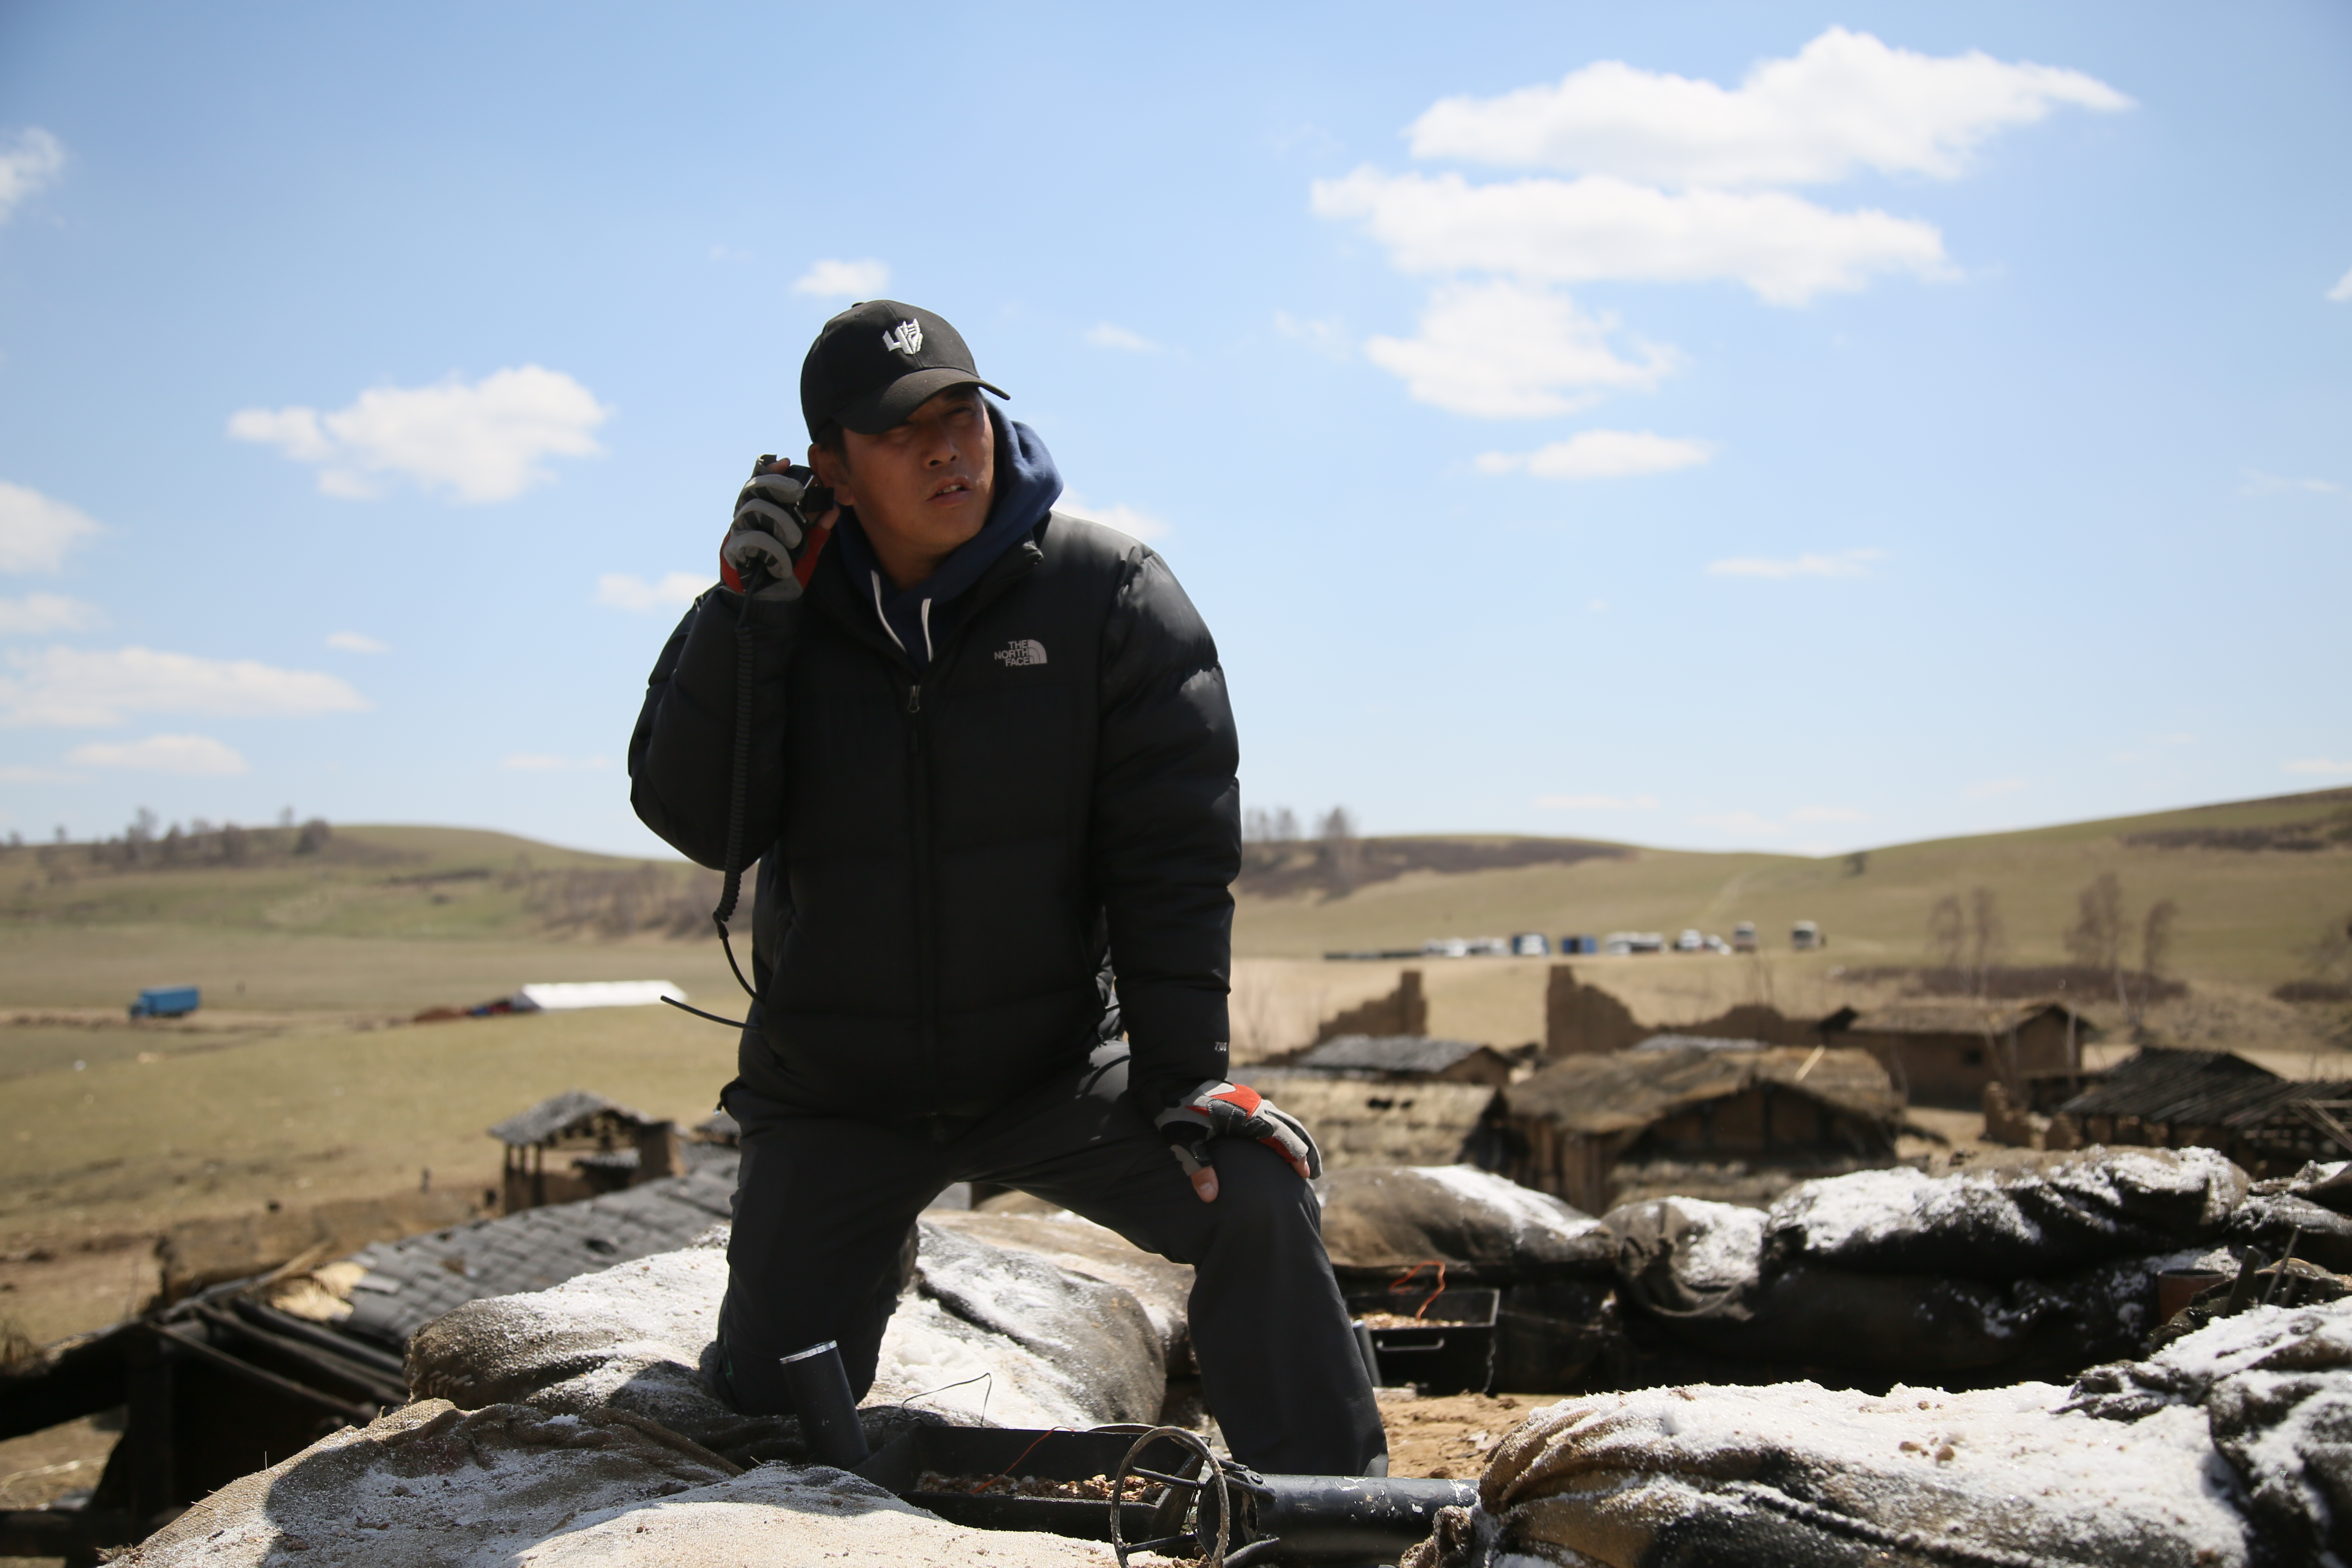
(1451,1351)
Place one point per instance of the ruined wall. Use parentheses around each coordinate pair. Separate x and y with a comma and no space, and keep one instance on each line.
(1403,1011)
(1580,1018)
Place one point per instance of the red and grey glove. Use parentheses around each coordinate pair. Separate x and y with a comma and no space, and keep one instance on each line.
(1213,1108)
(783,520)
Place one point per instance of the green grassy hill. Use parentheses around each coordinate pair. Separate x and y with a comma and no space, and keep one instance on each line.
(2258,882)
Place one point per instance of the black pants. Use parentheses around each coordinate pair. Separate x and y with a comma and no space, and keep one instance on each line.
(822,1206)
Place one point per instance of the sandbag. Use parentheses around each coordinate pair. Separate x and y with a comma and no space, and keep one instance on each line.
(2275,1386)
(1703,1274)
(1380,1220)
(1796,1475)
(2269,1221)
(1065,1350)
(1029,1344)
(1163,1288)
(2038,1215)
(1687,1257)
(432,1486)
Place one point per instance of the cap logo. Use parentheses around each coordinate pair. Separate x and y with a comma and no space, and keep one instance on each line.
(906,337)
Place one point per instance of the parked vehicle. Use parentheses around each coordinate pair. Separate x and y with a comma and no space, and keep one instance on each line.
(1621,942)
(167,1002)
(1530,945)
(1743,937)
(1690,942)
(1806,936)
(1579,945)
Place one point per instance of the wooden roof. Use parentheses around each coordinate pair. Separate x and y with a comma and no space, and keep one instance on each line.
(1620,1090)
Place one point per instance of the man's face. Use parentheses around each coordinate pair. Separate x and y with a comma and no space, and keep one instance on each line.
(921,487)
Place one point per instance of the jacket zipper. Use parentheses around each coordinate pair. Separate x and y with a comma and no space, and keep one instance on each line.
(927,947)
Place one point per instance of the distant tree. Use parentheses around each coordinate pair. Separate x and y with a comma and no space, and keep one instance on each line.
(1948,932)
(2155,936)
(1342,855)
(61,833)
(1285,825)
(1257,827)
(1857,863)
(314,835)
(1988,937)
(233,843)
(285,817)
(2096,939)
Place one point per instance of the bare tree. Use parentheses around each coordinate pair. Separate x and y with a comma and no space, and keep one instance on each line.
(1988,937)
(1342,855)
(1948,932)
(2097,937)
(2156,937)
(1285,825)
(1257,827)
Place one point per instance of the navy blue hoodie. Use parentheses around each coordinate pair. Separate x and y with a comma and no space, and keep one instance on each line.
(918,617)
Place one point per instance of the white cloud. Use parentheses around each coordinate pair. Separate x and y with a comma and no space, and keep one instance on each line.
(27,165)
(356,642)
(1502,351)
(190,756)
(2258,483)
(1991,788)
(624,592)
(2323,766)
(483,441)
(20,775)
(36,532)
(1601,227)
(1323,334)
(73,686)
(2342,292)
(1126,518)
(36,613)
(1103,335)
(844,280)
(1596,803)
(1600,455)
(540,762)
(1845,101)
(1828,814)
(1840,564)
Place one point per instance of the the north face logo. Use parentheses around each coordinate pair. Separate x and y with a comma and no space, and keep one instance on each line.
(906,337)
(1023,650)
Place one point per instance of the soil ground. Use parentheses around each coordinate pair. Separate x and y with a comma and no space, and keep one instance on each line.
(1449,1436)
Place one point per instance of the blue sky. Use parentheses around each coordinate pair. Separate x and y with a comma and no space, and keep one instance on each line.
(1715,425)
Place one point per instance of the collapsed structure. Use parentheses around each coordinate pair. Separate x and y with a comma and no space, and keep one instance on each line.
(1702,1117)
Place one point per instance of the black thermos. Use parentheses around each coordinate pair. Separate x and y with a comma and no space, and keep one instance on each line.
(820,1392)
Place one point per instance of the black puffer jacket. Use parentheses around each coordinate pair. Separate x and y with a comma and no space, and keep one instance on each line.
(952,862)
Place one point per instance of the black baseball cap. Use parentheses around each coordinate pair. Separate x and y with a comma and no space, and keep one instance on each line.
(877,361)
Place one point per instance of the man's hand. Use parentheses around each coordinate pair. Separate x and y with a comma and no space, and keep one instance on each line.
(1213,1108)
(778,531)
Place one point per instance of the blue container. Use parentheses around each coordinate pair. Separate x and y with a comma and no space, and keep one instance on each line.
(167,1002)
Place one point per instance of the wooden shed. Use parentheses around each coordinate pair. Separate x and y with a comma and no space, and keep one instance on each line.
(2213,1099)
(1945,1053)
(1742,1116)
(1365,1121)
(1408,1058)
(611,1147)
